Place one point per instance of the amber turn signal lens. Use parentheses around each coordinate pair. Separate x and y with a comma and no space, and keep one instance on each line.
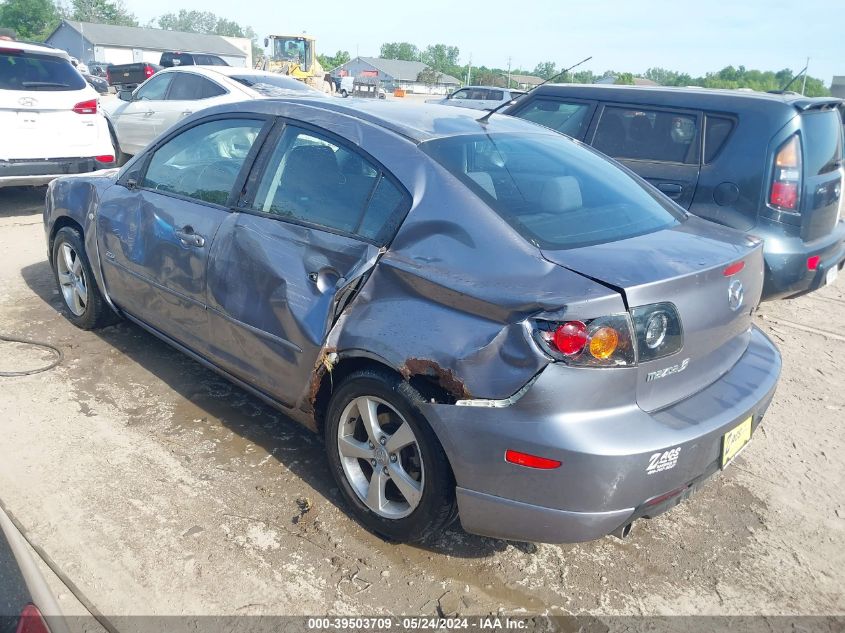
(603,343)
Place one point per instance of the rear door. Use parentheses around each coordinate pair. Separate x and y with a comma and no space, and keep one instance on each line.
(661,145)
(137,122)
(46,108)
(567,116)
(312,223)
(157,225)
(821,141)
(188,93)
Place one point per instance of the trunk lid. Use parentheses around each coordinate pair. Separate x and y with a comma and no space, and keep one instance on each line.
(685,266)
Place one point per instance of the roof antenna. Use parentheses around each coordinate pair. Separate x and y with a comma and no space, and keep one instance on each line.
(483,120)
(791,81)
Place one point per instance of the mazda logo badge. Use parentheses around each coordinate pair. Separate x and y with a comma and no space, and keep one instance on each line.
(27,102)
(735,294)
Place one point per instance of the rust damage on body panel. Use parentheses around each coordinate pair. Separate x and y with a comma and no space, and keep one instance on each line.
(430,370)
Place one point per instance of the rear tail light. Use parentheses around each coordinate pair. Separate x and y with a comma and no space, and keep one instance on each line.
(86,107)
(108,75)
(813,262)
(658,330)
(31,621)
(105,158)
(619,340)
(602,342)
(785,192)
(148,71)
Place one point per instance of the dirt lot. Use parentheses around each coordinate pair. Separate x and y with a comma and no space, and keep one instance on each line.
(160,488)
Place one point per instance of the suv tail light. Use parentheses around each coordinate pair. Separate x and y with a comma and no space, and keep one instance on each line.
(86,107)
(603,342)
(785,191)
(108,76)
(149,71)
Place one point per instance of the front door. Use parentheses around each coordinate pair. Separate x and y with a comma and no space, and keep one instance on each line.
(280,271)
(660,145)
(136,122)
(156,232)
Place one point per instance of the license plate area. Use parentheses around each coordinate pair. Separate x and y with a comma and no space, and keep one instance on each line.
(735,440)
(831,275)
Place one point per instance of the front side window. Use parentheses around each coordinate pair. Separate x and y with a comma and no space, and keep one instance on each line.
(567,118)
(155,88)
(653,135)
(555,193)
(312,179)
(460,94)
(204,161)
(188,86)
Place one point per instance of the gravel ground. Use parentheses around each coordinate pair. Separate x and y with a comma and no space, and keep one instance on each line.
(160,488)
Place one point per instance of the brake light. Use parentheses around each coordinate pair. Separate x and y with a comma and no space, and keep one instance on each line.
(108,75)
(570,338)
(86,107)
(31,621)
(786,176)
(602,342)
(148,71)
(105,158)
(530,461)
(733,269)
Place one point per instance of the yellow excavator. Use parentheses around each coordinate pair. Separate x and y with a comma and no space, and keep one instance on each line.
(296,56)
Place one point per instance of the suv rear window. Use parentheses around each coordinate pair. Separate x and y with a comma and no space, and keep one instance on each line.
(23,70)
(822,141)
(555,193)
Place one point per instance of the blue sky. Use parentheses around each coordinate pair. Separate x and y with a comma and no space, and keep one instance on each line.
(622,35)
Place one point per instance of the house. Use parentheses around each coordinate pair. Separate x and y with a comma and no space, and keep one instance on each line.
(837,87)
(396,73)
(526,82)
(126,44)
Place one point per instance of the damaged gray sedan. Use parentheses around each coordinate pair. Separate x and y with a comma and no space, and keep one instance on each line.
(482,318)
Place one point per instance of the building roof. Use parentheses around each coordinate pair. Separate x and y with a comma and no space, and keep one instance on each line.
(401,69)
(153,39)
(528,80)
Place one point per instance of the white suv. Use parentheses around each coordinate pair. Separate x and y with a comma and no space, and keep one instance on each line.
(49,116)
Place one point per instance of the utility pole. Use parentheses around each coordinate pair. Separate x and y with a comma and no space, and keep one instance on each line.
(469,70)
(509,73)
(804,82)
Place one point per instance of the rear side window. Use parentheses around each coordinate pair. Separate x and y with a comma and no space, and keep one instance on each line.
(22,70)
(496,95)
(568,118)
(716,131)
(190,87)
(555,193)
(312,179)
(203,162)
(822,141)
(642,134)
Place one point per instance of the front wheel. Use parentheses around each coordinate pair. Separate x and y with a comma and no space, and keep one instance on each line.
(385,458)
(344,94)
(84,304)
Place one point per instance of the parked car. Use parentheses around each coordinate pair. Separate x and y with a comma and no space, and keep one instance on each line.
(50,117)
(170,59)
(486,318)
(136,118)
(97,83)
(130,76)
(479,97)
(27,605)
(769,164)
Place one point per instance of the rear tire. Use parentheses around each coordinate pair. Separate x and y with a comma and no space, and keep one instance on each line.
(344,94)
(120,159)
(83,304)
(374,429)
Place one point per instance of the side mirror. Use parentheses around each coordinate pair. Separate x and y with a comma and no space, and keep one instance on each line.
(124,95)
(266,42)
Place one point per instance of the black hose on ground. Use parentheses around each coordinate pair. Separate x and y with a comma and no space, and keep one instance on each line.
(59,357)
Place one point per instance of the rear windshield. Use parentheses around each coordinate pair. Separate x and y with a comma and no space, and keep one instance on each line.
(822,140)
(272,85)
(557,194)
(22,70)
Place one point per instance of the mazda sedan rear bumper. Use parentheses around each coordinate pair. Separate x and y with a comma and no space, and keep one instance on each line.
(614,464)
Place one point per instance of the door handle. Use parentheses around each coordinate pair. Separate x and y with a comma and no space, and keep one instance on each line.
(148,113)
(187,236)
(187,112)
(671,189)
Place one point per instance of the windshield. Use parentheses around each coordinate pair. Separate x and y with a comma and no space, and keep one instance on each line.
(271,85)
(289,49)
(22,70)
(556,193)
